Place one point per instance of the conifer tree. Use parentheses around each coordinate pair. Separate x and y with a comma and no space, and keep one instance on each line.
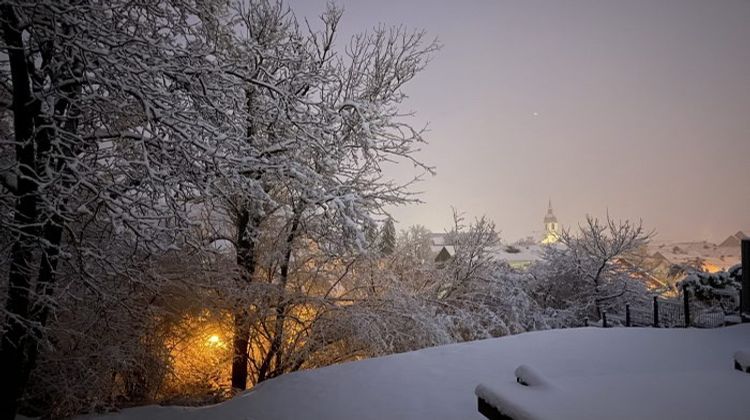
(388,237)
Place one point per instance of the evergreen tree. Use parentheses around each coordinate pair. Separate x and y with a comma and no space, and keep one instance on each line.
(388,237)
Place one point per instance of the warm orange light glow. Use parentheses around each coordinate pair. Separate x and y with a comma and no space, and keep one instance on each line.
(711,268)
(199,357)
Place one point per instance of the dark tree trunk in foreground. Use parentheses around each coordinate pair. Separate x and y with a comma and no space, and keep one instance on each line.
(245,244)
(240,350)
(39,234)
(18,348)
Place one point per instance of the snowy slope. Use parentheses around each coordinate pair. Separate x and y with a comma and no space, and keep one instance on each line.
(628,373)
(685,252)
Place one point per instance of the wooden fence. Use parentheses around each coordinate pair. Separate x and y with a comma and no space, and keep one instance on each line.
(665,313)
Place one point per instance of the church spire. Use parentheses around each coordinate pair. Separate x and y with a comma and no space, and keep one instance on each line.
(551,227)
(550,217)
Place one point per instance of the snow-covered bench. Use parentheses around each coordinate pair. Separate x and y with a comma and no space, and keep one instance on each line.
(496,407)
(598,394)
(488,409)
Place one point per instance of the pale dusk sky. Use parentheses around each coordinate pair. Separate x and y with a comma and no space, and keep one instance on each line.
(639,107)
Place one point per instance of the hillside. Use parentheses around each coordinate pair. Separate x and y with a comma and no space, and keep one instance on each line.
(715,257)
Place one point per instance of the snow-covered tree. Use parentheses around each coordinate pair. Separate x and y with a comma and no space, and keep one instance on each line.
(483,296)
(144,130)
(421,303)
(388,237)
(415,244)
(591,270)
(320,123)
(114,109)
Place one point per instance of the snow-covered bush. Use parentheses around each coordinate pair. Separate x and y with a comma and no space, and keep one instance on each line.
(720,289)
(133,339)
(475,295)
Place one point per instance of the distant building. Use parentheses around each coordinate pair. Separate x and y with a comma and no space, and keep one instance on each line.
(518,256)
(734,241)
(660,259)
(437,239)
(649,270)
(444,255)
(551,227)
(443,250)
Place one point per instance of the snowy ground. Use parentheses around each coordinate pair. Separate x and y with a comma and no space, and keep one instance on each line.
(586,373)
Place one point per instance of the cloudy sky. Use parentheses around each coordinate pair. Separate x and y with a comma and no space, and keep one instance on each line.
(638,107)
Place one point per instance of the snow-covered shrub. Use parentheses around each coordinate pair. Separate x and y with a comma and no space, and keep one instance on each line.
(720,289)
(135,339)
(408,301)
(480,296)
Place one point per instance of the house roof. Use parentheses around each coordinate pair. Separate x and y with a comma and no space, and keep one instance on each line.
(443,256)
(734,240)
(525,253)
(439,248)
(438,239)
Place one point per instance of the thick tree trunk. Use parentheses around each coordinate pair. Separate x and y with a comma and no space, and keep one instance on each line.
(20,344)
(17,346)
(27,313)
(247,225)
(240,349)
(245,243)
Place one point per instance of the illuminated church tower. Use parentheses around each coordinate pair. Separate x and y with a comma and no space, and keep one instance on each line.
(551,227)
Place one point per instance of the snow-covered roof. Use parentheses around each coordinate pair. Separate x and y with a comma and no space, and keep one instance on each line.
(687,252)
(525,253)
(437,248)
(437,239)
(734,240)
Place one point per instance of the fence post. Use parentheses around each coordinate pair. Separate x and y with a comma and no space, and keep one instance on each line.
(656,312)
(627,314)
(745,296)
(686,303)
(604,319)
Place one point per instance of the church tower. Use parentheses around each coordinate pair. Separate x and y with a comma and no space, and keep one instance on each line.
(551,227)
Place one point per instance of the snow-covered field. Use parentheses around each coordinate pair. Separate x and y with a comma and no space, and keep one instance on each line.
(586,373)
